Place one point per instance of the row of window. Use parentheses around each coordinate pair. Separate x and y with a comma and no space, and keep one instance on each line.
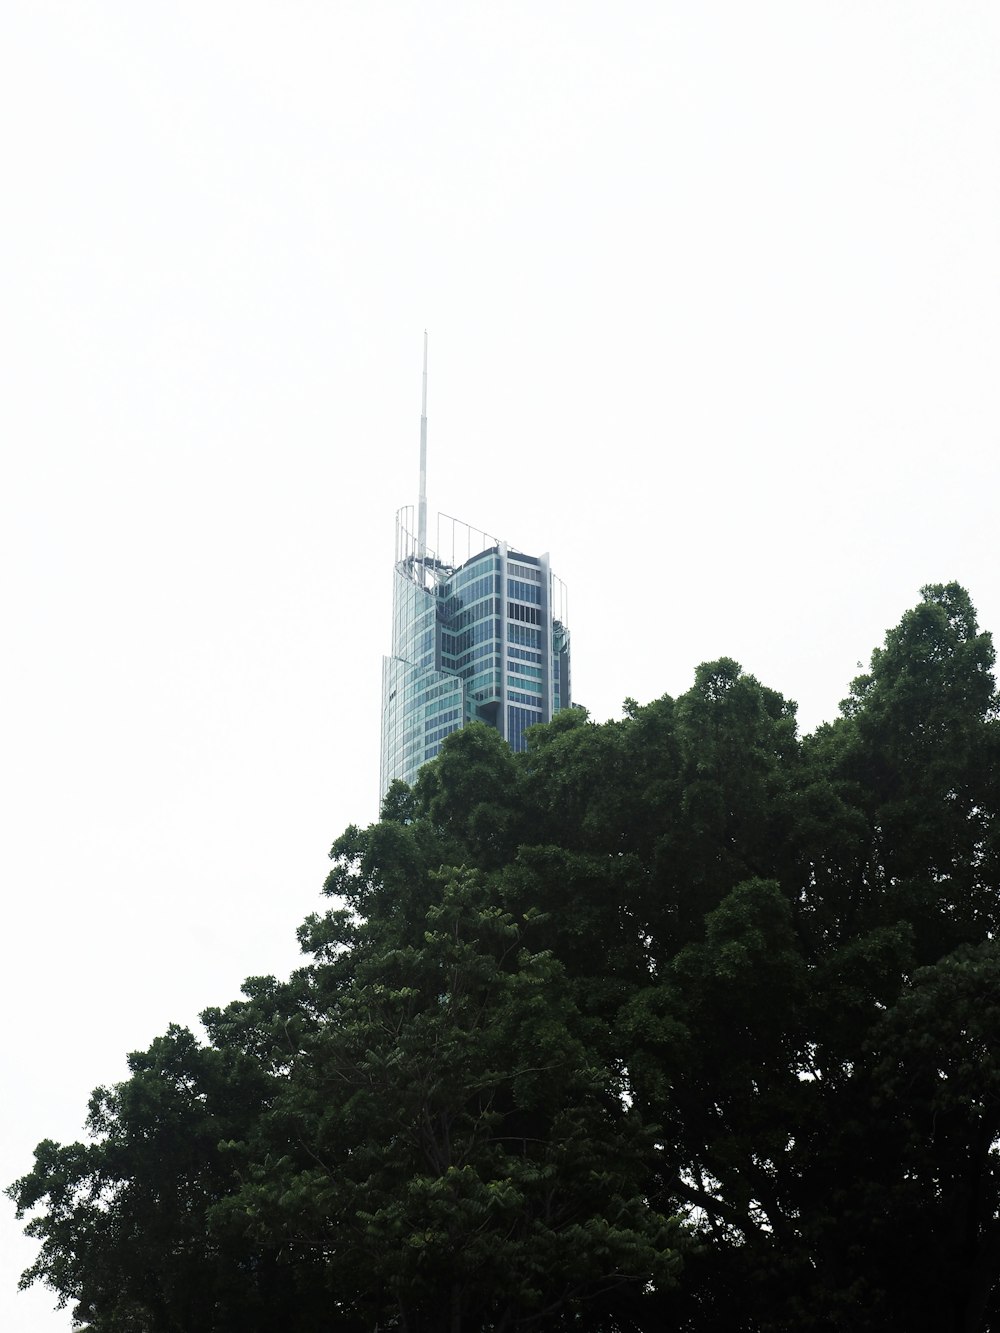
(484,679)
(515,611)
(515,697)
(524,654)
(473,655)
(427,682)
(411,630)
(489,606)
(454,644)
(418,735)
(530,572)
(535,686)
(416,683)
(518,719)
(453,603)
(524,592)
(530,638)
(466,576)
(452,716)
(430,710)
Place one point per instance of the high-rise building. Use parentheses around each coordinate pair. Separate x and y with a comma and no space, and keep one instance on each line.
(478,634)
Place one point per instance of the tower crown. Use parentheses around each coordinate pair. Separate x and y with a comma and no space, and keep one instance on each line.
(478,634)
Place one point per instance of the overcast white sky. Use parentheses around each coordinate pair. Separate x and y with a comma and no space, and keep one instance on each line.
(712,292)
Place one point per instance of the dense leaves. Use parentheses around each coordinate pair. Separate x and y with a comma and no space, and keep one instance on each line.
(676,1021)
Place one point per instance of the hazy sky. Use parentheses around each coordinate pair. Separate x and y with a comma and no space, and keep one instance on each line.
(712,293)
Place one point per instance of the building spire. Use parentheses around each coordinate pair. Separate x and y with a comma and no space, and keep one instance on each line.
(422,509)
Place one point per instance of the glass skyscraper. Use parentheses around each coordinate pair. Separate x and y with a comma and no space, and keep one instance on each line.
(478,633)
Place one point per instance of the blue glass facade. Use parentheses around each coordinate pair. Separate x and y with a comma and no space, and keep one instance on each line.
(484,639)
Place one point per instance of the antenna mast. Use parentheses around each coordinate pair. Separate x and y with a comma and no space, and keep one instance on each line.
(422,510)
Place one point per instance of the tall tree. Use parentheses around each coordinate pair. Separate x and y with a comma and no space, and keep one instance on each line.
(683,965)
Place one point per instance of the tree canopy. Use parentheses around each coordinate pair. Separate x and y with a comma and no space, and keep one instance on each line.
(678,1021)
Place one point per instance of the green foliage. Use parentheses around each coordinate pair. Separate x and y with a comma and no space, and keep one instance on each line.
(678,1021)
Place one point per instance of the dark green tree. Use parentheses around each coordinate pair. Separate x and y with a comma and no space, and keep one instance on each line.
(125,1232)
(453,1146)
(683,965)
